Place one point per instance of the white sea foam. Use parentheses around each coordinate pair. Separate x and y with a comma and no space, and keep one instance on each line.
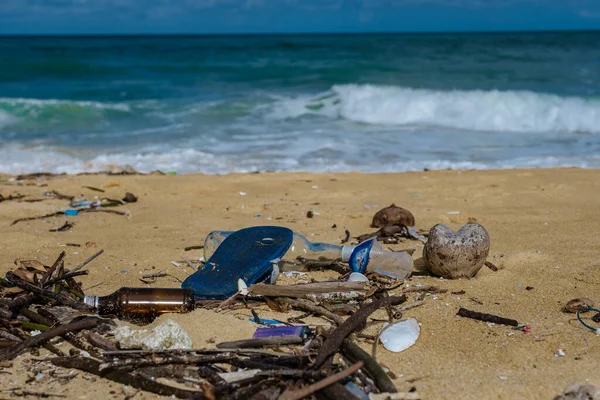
(498,111)
(17,160)
(7,119)
(25,103)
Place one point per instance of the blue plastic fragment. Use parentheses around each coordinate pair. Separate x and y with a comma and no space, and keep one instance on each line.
(71,213)
(266,321)
(281,331)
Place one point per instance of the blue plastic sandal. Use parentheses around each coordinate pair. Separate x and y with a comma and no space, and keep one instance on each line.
(247,254)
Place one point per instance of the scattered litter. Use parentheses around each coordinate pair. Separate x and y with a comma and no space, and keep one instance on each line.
(559,353)
(242,193)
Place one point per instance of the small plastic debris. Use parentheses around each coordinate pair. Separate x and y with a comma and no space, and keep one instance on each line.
(357,277)
(166,336)
(242,193)
(264,321)
(71,213)
(401,335)
(242,287)
(281,331)
(356,391)
(559,353)
(453,212)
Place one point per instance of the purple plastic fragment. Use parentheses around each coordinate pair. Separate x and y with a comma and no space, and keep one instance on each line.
(280,331)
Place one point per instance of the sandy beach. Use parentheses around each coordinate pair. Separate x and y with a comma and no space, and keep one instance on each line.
(544,231)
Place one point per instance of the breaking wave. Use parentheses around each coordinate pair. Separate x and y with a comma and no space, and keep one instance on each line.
(477,110)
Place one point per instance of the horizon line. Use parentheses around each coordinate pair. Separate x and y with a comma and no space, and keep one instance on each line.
(264,34)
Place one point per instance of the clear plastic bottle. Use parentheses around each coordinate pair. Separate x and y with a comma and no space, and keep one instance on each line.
(301,246)
(368,256)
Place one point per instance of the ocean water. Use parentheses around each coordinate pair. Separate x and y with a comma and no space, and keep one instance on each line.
(300,103)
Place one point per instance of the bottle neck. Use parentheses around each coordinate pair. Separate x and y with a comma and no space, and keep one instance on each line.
(347,252)
(91,300)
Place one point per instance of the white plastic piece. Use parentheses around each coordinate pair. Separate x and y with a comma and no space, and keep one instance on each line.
(242,287)
(357,277)
(230,377)
(166,336)
(401,335)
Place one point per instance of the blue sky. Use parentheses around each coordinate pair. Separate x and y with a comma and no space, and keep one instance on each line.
(289,16)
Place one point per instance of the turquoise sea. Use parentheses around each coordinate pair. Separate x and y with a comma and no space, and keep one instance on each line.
(300,103)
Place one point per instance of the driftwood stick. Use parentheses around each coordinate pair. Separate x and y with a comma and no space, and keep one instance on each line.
(486,317)
(99,341)
(430,289)
(137,381)
(409,306)
(16,221)
(12,352)
(308,305)
(103,211)
(211,375)
(49,272)
(66,276)
(59,297)
(124,353)
(301,290)
(89,260)
(297,394)
(167,359)
(335,297)
(354,353)
(356,321)
(283,340)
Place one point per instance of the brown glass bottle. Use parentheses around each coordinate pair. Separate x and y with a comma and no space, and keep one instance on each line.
(144,303)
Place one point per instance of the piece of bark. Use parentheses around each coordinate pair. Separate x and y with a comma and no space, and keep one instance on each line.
(308,305)
(463,312)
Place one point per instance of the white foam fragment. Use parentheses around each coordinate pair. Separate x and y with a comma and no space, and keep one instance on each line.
(401,335)
(166,336)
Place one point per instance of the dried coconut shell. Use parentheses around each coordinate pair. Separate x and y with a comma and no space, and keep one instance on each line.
(393,215)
